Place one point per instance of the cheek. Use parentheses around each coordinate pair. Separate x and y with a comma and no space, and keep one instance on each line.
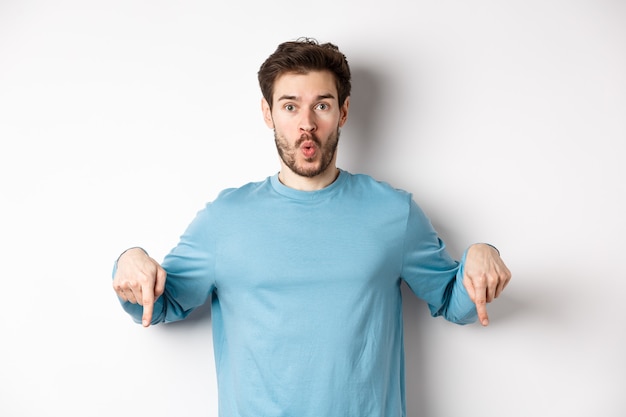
(283,124)
(329,124)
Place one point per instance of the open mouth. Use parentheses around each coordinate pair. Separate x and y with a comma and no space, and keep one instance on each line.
(308,149)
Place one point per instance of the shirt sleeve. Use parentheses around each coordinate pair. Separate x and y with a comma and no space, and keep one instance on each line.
(190,274)
(432,274)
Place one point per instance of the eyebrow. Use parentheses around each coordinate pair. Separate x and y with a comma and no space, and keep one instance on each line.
(296,98)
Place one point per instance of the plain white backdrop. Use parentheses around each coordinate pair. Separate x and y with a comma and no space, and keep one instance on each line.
(119,119)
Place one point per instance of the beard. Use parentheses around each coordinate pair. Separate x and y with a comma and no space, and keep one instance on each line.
(289,153)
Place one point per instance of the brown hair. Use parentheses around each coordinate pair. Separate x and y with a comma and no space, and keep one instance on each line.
(302,56)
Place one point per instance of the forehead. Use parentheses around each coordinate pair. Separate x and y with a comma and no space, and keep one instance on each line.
(313,83)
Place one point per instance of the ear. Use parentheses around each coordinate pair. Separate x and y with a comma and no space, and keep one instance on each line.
(344,112)
(267,113)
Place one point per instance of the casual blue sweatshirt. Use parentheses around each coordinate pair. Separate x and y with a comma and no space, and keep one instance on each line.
(305,289)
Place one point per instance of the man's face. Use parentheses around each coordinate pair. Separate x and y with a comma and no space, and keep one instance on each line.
(306,118)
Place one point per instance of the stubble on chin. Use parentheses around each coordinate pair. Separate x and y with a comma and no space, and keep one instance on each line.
(289,155)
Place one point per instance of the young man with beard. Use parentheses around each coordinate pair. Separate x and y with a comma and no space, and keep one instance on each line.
(304,269)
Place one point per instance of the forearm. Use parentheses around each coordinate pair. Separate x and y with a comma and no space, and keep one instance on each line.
(458,307)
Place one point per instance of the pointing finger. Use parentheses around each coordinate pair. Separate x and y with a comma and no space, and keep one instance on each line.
(480,300)
(148,306)
(147,314)
(477,293)
(481,308)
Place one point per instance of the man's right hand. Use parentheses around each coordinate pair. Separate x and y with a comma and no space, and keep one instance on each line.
(139,279)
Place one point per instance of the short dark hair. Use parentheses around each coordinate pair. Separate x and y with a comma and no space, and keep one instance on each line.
(302,56)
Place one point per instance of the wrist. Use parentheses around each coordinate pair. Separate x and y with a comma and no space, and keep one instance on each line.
(488,244)
(130,251)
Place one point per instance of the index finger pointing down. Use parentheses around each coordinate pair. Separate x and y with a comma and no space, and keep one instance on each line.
(481,308)
(148,308)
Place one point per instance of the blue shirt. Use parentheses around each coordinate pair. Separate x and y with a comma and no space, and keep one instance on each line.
(306,294)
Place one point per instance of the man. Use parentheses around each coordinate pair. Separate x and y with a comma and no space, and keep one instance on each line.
(304,269)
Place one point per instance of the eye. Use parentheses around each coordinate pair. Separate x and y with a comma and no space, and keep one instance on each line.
(290,107)
(323,106)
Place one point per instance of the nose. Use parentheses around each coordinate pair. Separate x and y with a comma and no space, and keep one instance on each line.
(307,121)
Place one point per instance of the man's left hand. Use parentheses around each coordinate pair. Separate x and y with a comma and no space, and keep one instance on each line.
(485,277)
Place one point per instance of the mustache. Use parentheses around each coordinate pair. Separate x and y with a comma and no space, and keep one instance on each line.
(308,136)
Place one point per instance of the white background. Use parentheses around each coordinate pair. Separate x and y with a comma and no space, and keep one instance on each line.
(119,119)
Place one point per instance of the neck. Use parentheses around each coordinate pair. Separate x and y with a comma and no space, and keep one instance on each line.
(292,180)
